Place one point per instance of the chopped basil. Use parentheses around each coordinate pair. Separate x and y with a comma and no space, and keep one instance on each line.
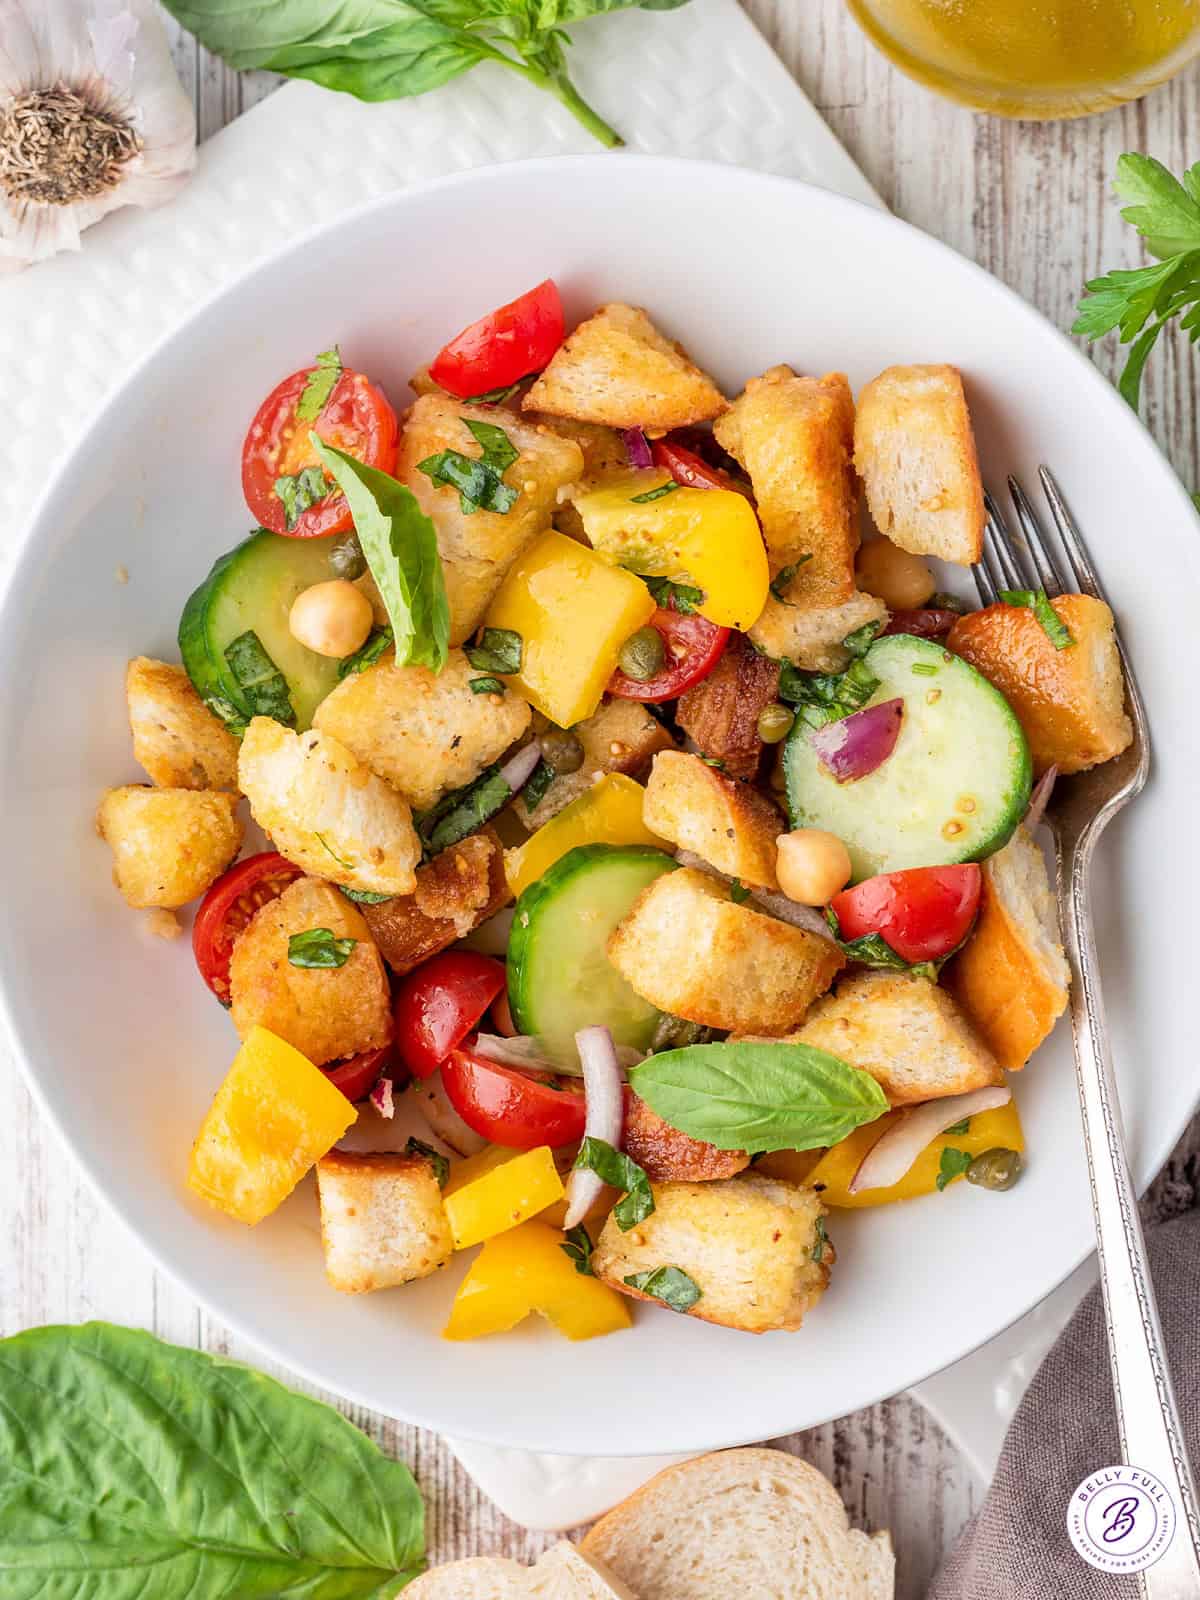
(302,490)
(462,811)
(713,761)
(1037,601)
(671,1285)
(954,1164)
(498,650)
(924,669)
(817,1253)
(495,397)
(331,852)
(259,679)
(536,785)
(826,697)
(225,711)
(619,1170)
(322,381)
(379,643)
(578,1247)
(441,1167)
(678,597)
(653,494)
(364,897)
(319,948)
(478,479)
(861,640)
(485,686)
(738,892)
(959,1128)
(784,576)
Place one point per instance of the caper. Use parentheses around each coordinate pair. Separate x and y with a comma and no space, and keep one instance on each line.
(642,655)
(346,559)
(995,1169)
(775,722)
(562,749)
(675,1033)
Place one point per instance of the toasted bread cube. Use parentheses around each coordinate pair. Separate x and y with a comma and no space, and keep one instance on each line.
(1012,977)
(176,738)
(1070,702)
(720,713)
(425,732)
(168,845)
(616,368)
(456,891)
(621,736)
(382,1220)
(795,436)
(667,1155)
(748,1243)
(906,1032)
(605,459)
(325,1013)
(326,811)
(700,809)
(478,547)
(915,452)
(688,949)
(811,637)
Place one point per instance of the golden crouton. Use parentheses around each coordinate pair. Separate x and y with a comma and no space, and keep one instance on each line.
(915,452)
(478,547)
(668,1156)
(720,713)
(326,811)
(425,732)
(168,845)
(328,1012)
(1012,978)
(617,368)
(750,1244)
(699,809)
(906,1032)
(1070,702)
(689,949)
(621,736)
(604,460)
(176,738)
(794,436)
(382,1220)
(812,637)
(456,891)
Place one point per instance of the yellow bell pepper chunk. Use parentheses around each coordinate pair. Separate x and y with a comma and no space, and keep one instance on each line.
(274,1116)
(574,610)
(987,1131)
(527,1270)
(502,1196)
(708,538)
(793,1166)
(610,812)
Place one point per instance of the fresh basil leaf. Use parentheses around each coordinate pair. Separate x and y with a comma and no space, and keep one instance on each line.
(1036,600)
(671,1285)
(322,381)
(330,851)
(578,1247)
(953,1164)
(300,491)
(318,948)
(873,950)
(495,397)
(439,1163)
(959,1128)
(497,450)
(653,494)
(861,640)
(758,1097)
(259,679)
(784,576)
(364,897)
(134,1468)
(539,780)
(738,892)
(378,645)
(401,548)
(498,650)
(486,685)
(817,1253)
(825,697)
(463,811)
(668,596)
(622,1172)
(478,479)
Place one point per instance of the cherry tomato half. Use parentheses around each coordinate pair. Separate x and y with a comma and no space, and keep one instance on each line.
(519,1109)
(688,468)
(358,1075)
(692,646)
(503,347)
(440,1003)
(930,622)
(356,418)
(228,907)
(924,913)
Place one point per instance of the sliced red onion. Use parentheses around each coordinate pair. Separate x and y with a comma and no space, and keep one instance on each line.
(527,1053)
(1040,798)
(854,746)
(771,900)
(431,1096)
(491,938)
(894,1152)
(605,1115)
(518,769)
(637,448)
(382,1099)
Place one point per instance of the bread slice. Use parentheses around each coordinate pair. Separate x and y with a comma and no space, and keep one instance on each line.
(616,368)
(382,1220)
(811,636)
(698,808)
(562,1573)
(756,1523)
(915,452)
(1012,978)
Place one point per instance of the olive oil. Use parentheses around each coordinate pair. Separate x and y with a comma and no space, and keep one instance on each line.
(1035,58)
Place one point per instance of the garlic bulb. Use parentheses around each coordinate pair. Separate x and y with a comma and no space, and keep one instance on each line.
(92,117)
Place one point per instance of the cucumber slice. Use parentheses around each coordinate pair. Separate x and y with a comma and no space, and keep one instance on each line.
(252,589)
(559,976)
(953,789)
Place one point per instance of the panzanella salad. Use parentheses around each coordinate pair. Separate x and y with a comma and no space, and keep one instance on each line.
(645,867)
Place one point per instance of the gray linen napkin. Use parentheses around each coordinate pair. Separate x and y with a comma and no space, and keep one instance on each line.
(1016,1547)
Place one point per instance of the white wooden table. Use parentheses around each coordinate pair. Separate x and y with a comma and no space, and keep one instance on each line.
(1029,202)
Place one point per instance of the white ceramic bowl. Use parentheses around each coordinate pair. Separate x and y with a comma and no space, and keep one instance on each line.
(123,1045)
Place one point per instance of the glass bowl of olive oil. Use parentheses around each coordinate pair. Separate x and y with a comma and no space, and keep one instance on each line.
(1035,58)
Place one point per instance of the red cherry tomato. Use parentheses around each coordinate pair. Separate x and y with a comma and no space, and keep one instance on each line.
(924,913)
(440,1003)
(930,622)
(357,418)
(519,1109)
(228,907)
(358,1075)
(688,468)
(503,347)
(692,647)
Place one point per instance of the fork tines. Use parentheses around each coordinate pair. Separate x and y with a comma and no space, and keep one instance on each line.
(1029,558)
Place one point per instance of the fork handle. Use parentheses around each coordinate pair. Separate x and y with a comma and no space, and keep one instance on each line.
(1147,1414)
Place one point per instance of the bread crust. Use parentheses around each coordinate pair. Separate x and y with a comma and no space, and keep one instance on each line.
(811,636)
(176,738)
(700,809)
(622,736)
(455,892)
(666,1155)
(382,1220)
(720,713)
(168,845)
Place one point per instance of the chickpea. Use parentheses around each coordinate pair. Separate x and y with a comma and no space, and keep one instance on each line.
(811,865)
(333,618)
(902,581)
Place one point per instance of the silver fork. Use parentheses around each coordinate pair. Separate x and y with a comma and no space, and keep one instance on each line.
(1079,810)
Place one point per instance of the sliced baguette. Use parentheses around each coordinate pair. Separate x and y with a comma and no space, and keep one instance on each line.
(758,1523)
(562,1573)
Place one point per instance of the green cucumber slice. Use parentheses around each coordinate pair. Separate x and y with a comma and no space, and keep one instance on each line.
(559,976)
(251,590)
(953,789)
